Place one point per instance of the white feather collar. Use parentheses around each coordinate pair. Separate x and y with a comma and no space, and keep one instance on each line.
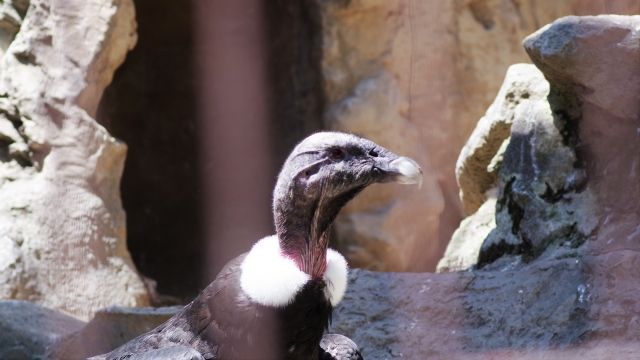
(273,280)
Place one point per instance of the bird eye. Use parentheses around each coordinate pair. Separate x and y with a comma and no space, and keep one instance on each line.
(373,153)
(336,154)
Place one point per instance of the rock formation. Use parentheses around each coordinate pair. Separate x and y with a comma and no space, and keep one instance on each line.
(555,277)
(109,329)
(31,331)
(28,329)
(62,226)
(557,178)
(415,76)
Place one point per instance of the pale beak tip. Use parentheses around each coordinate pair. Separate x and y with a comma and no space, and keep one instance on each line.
(409,172)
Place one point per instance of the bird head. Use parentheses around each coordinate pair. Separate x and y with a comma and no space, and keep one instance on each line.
(319,177)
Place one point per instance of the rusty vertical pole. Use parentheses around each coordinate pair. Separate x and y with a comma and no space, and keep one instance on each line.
(232,110)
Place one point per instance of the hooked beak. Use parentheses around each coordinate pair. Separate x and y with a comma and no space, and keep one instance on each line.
(402,170)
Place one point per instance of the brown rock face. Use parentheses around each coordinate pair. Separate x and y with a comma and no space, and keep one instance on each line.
(415,76)
(556,277)
(62,227)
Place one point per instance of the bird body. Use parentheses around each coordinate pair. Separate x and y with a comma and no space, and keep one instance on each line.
(285,298)
(275,301)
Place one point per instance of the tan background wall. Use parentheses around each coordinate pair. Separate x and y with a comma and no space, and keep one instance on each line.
(416,76)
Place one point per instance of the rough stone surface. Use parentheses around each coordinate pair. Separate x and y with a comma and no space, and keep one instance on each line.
(62,227)
(594,63)
(557,275)
(464,248)
(515,310)
(28,329)
(542,200)
(523,83)
(415,76)
(109,329)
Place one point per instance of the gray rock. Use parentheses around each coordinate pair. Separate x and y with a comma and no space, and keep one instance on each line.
(109,329)
(542,200)
(28,329)
(523,84)
(417,316)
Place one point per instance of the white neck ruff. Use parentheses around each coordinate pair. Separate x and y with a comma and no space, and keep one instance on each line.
(271,279)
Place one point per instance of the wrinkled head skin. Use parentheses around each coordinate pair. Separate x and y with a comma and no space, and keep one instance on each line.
(323,173)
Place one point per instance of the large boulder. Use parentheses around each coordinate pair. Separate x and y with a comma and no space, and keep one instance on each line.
(464,248)
(415,76)
(31,331)
(556,276)
(28,329)
(109,329)
(62,226)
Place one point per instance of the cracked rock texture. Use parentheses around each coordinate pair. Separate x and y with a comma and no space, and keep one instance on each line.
(415,76)
(62,226)
(481,158)
(477,165)
(556,277)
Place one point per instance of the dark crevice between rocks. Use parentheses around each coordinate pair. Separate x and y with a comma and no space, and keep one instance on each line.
(152,108)
(552,196)
(495,251)
(4,149)
(514,209)
(566,109)
(26,58)
(23,158)
(492,249)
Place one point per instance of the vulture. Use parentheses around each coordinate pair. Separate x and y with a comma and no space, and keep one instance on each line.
(275,301)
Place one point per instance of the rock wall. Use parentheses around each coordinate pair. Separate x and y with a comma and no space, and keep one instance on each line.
(555,276)
(62,226)
(415,76)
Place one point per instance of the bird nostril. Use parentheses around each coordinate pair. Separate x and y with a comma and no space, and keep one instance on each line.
(373,153)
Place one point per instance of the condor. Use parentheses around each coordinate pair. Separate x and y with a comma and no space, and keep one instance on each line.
(275,301)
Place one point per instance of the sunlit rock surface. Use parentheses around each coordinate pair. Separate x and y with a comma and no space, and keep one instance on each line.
(62,226)
(477,165)
(415,76)
(466,242)
(557,277)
